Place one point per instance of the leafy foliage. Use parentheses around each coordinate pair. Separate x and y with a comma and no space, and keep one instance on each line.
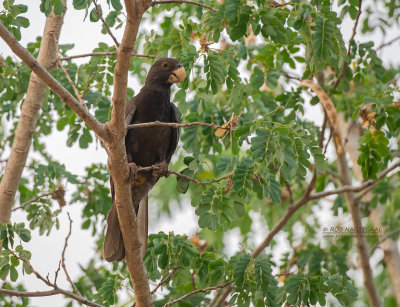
(244,59)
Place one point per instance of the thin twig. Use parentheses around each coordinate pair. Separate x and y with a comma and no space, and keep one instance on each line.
(63,258)
(323,128)
(169,172)
(269,113)
(105,54)
(66,72)
(105,23)
(396,231)
(165,280)
(32,200)
(195,292)
(388,43)
(174,125)
(349,47)
(329,140)
(183,1)
(290,77)
(290,192)
(87,85)
(216,296)
(50,284)
(77,95)
(348,188)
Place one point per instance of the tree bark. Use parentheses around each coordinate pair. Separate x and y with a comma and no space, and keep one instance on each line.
(29,115)
(117,160)
(390,250)
(361,244)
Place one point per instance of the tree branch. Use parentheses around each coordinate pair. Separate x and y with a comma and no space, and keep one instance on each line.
(105,23)
(349,47)
(63,258)
(169,172)
(117,159)
(56,289)
(32,201)
(105,54)
(174,125)
(51,82)
(195,292)
(360,242)
(388,43)
(349,188)
(29,294)
(173,271)
(396,231)
(30,110)
(183,1)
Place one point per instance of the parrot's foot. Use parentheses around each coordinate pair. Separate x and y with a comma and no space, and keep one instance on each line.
(133,169)
(162,170)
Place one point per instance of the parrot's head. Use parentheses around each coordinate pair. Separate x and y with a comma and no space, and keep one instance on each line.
(166,71)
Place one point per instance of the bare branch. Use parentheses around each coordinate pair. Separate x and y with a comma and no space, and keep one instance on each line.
(71,83)
(87,86)
(388,43)
(396,231)
(290,192)
(29,294)
(183,1)
(174,125)
(51,82)
(197,291)
(173,271)
(169,172)
(50,284)
(349,188)
(32,200)
(63,258)
(105,54)
(105,23)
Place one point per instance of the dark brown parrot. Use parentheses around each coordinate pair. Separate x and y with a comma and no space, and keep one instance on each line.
(145,147)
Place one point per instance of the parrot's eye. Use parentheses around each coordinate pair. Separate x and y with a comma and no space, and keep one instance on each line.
(164,65)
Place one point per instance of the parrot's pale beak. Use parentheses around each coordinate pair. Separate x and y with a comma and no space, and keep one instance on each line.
(177,76)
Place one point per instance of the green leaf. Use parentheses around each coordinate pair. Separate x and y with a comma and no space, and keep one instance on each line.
(239,273)
(85,138)
(13,274)
(257,78)
(4,271)
(58,8)
(93,15)
(182,184)
(272,79)
(22,21)
(116,4)
(243,176)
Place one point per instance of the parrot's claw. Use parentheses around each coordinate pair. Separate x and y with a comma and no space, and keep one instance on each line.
(162,170)
(133,171)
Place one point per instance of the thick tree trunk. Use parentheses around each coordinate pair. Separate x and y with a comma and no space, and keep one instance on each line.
(29,115)
(390,250)
(119,167)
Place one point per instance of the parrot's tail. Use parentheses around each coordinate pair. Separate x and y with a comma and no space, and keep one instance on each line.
(114,248)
